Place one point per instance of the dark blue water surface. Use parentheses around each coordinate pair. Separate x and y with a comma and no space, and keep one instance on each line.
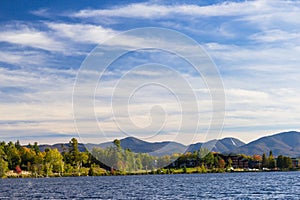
(263,185)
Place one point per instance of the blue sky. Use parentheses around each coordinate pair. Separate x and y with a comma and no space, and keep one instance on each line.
(254,44)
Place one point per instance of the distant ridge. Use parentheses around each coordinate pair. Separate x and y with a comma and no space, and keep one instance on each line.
(222,145)
(152,147)
(285,143)
(61,147)
(155,148)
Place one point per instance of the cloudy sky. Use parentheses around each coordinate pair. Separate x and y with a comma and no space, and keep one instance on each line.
(255,46)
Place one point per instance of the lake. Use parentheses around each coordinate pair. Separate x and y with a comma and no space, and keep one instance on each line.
(255,185)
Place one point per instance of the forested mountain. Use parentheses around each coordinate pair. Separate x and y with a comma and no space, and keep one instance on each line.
(286,143)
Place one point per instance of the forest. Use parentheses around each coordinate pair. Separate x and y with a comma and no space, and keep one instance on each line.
(16,159)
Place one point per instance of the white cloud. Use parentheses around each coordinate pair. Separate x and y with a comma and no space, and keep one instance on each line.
(48,107)
(27,58)
(26,36)
(43,12)
(247,95)
(275,35)
(260,70)
(257,112)
(38,89)
(262,13)
(275,14)
(147,10)
(85,33)
(261,85)
(275,19)
(260,57)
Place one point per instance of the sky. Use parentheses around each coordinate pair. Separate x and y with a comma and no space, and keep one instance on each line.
(255,46)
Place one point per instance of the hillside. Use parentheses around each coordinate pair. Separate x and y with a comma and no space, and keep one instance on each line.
(222,145)
(156,148)
(286,143)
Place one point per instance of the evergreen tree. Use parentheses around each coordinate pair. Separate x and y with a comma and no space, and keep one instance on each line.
(287,163)
(265,163)
(36,147)
(117,143)
(74,153)
(271,161)
(18,145)
(209,160)
(280,162)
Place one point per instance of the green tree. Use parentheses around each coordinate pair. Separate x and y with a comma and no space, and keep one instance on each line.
(138,162)
(280,162)
(74,152)
(36,148)
(265,162)
(117,143)
(209,160)
(202,153)
(229,165)
(287,162)
(74,157)
(38,164)
(2,152)
(95,170)
(203,169)
(3,167)
(27,158)
(111,156)
(147,161)
(164,161)
(13,157)
(271,161)
(3,163)
(84,159)
(54,161)
(216,161)
(68,169)
(18,145)
(129,160)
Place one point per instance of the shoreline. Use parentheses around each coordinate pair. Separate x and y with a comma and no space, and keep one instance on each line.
(23,162)
(27,174)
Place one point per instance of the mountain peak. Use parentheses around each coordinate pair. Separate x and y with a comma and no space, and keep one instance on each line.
(284,143)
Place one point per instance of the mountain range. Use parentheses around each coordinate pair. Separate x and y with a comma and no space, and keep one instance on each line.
(285,143)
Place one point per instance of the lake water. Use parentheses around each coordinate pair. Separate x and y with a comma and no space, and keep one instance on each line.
(263,185)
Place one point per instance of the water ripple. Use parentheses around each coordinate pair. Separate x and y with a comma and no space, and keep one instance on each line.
(267,185)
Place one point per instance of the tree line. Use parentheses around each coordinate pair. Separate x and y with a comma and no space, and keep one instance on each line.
(283,162)
(50,162)
(114,159)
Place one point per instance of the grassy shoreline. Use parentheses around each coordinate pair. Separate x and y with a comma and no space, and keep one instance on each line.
(195,170)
